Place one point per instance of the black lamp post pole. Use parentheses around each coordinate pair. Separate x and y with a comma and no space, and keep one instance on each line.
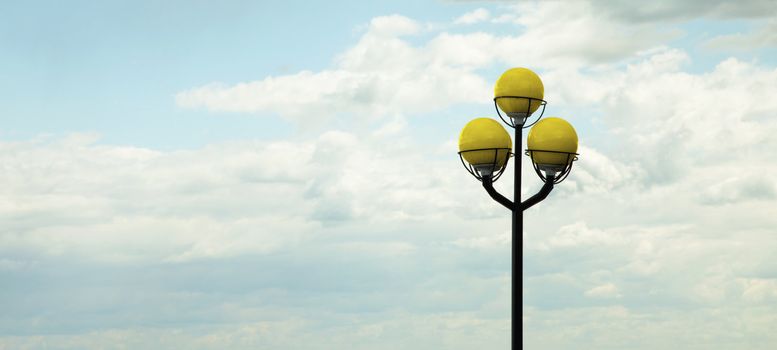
(517,242)
(517,207)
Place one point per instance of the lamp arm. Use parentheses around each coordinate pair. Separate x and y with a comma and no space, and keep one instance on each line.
(488,184)
(542,194)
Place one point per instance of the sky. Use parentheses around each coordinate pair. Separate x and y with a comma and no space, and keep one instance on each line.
(283,175)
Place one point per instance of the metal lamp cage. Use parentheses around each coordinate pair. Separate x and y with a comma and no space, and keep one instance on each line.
(511,121)
(562,170)
(496,170)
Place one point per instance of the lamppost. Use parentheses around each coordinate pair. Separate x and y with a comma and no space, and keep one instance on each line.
(485,149)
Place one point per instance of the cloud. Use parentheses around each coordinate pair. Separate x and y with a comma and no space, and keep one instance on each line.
(393,25)
(453,330)
(661,237)
(603,326)
(666,215)
(220,201)
(667,10)
(680,170)
(384,74)
(763,36)
(475,16)
(599,173)
(371,93)
(578,32)
(608,290)
(681,118)
(759,290)
(221,244)
(736,189)
(673,10)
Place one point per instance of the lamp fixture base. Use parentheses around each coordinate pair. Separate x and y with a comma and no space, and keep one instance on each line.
(559,172)
(484,169)
(493,169)
(518,119)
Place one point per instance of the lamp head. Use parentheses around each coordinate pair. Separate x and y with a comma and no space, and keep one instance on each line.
(552,146)
(519,92)
(485,145)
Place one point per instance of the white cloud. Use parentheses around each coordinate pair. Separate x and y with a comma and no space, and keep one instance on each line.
(474,16)
(577,32)
(378,77)
(599,173)
(615,326)
(452,331)
(240,234)
(664,124)
(578,234)
(759,290)
(608,290)
(764,36)
(735,189)
(661,237)
(674,204)
(668,10)
(383,74)
(125,204)
(394,25)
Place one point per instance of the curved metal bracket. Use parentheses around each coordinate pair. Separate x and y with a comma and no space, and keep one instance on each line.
(542,194)
(488,184)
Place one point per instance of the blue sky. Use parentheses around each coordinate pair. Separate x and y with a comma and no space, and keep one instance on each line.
(245,175)
(112,67)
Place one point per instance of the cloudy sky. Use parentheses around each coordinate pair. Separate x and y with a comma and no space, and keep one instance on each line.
(283,175)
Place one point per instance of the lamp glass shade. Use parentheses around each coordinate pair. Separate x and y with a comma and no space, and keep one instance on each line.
(519,82)
(483,133)
(552,134)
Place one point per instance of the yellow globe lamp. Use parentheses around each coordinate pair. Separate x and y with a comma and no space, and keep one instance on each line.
(485,144)
(552,144)
(519,92)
